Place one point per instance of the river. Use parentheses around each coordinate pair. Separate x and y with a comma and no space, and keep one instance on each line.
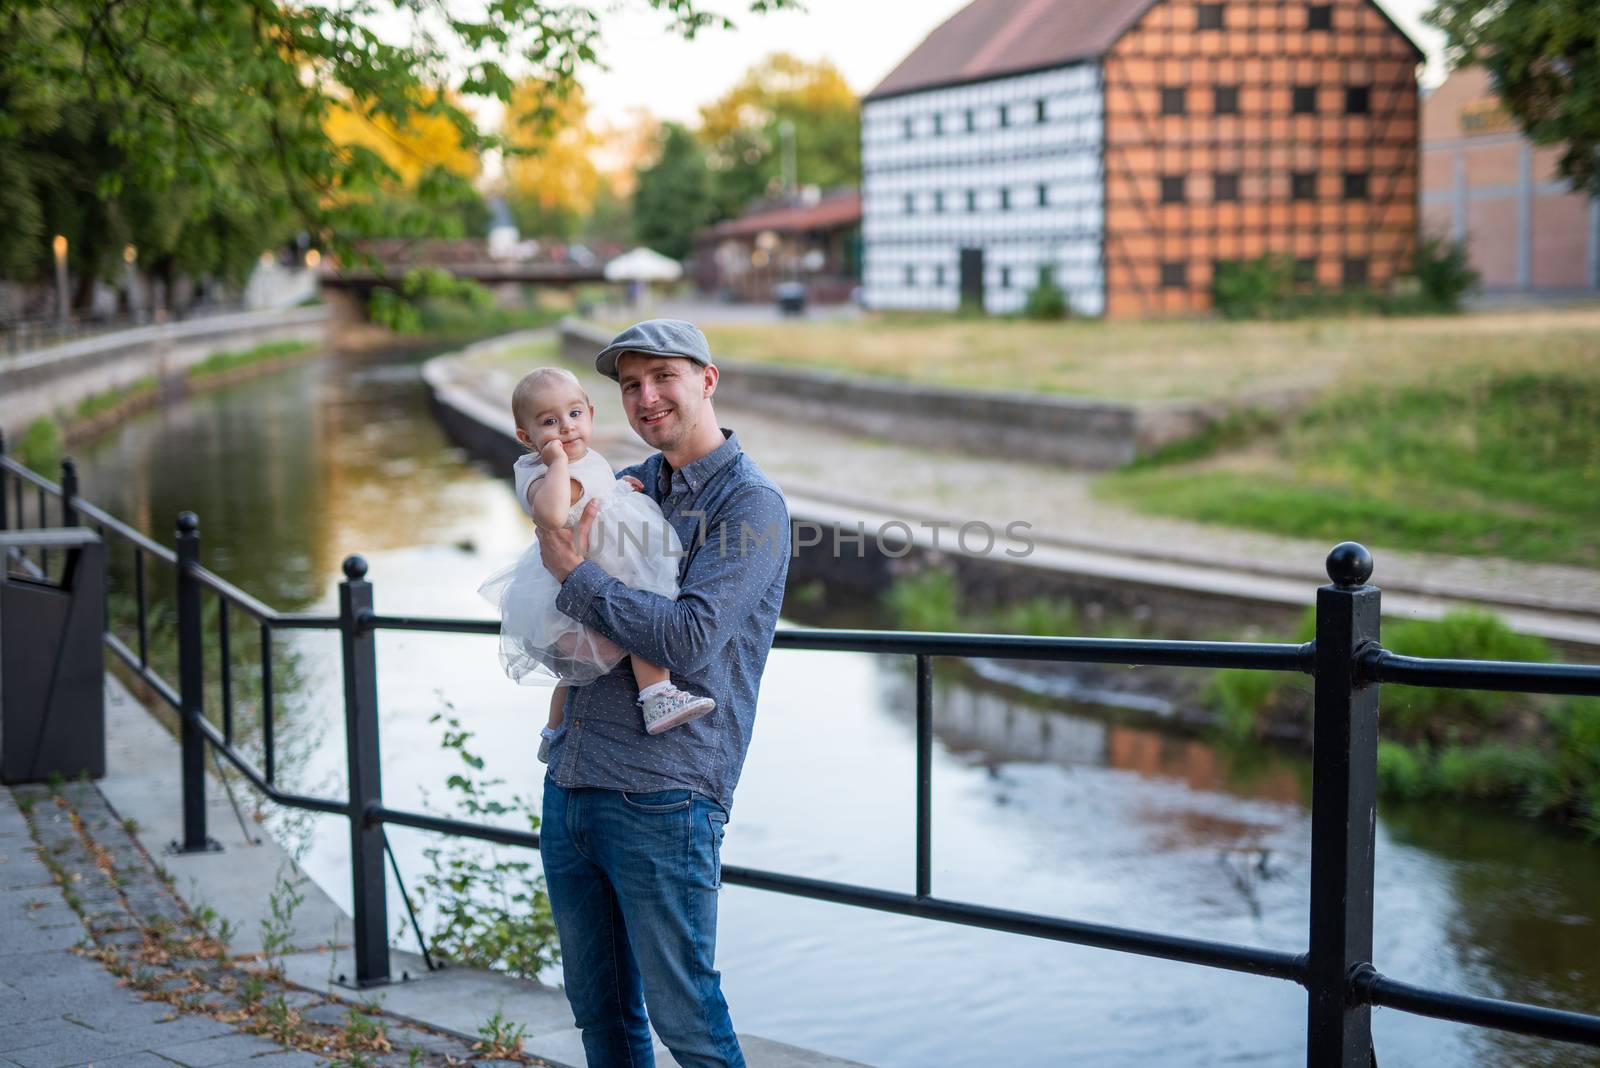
(1079,811)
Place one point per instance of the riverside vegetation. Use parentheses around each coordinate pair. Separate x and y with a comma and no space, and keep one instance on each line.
(1537,754)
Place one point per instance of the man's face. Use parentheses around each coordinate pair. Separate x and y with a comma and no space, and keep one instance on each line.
(665,397)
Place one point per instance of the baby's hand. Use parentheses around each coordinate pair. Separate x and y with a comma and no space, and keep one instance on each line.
(550,451)
(635,484)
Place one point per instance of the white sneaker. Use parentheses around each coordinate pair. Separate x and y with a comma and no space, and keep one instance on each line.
(673,707)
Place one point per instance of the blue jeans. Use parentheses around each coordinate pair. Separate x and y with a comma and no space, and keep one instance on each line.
(633,882)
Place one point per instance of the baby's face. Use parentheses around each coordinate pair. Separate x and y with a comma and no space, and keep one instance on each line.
(562,413)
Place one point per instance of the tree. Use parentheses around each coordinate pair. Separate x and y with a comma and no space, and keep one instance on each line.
(673,198)
(217,112)
(1544,61)
(743,131)
(551,177)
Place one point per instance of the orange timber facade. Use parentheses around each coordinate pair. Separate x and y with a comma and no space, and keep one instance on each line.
(1228,130)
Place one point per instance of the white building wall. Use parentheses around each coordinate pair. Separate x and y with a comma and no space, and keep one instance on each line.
(920,163)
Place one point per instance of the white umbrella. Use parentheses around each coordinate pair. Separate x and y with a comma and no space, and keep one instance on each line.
(643,265)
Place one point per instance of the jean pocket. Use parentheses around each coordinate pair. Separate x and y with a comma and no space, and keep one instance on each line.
(657,802)
(719,827)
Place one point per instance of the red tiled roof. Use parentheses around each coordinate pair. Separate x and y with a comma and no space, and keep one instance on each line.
(988,38)
(829,214)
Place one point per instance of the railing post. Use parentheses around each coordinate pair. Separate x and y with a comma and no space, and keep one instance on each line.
(371,896)
(5,514)
(69,492)
(191,690)
(1344,779)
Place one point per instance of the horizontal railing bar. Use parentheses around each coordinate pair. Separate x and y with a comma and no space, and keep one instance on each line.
(302,621)
(440,624)
(148,677)
(1371,986)
(1274,964)
(27,474)
(1483,674)
(422,821)
(122,530)
(250,605)
(316,804)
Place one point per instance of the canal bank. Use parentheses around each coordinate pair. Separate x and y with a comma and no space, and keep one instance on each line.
(911,503)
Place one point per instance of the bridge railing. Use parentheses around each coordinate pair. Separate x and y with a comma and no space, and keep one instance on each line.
(1346,661)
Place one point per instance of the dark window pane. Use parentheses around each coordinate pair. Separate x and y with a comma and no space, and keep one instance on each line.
(1172,189)
(911,275)
(972,200)
(1355,185)
(1355,271)
(1005,200)
(1174,275)
(1044,195)
(1210,16)
(1005,115)
(938,200)
(938,275)
(1305,99)
(938,124)
(1357,100)
(1319,17)
(1305,270)
(1172,100)
(1225,186)
(1005,278)
(1038,111)
(911,203)
(971,122)
(908,128)
(1227,100)
(1303,185)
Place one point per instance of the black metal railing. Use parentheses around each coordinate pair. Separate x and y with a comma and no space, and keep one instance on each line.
(1345,659)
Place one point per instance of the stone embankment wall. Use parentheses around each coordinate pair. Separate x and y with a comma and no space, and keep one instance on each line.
(55,379)
(1089,434)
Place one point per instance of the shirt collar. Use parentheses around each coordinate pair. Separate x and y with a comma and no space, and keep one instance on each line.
(699,472)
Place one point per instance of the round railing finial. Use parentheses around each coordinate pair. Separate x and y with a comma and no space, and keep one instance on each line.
(355,568)
(188,523)
(1349,564)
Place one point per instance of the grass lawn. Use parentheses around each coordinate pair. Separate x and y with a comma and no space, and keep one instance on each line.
(1207,359)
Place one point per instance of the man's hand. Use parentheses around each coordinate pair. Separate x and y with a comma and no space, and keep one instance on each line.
(638,487)
(563,550)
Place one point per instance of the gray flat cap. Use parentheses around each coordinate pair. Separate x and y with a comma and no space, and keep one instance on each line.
(655,337)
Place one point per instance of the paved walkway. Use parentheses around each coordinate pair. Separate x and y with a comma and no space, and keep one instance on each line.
(855,477)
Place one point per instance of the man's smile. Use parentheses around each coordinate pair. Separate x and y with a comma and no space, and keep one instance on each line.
(655,418)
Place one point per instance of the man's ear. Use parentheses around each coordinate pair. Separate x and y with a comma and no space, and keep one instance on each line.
(710,379)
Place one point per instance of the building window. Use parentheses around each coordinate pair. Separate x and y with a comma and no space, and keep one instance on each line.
(1044,195)
(1355,271)
(1005,200)
(911,275)
(1303,185)
(972,200)
(1172,189)
(1319,17)
(972,122)
(938,124)
(1172,100)
(1174,274)
(1210,16)
(1225,185)
(1005,115)
(1039,111)
(911,203)
(1005,278)
(1357,100)
(1355,185)
(908,129)
(1305,100)
(1227,100)
(1305,271)
(938,275)
(938,201)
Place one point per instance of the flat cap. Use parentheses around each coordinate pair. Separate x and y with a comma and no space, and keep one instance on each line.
(655,337)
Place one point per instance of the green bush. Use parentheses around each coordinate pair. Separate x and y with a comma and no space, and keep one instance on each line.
(1241,699)
(1046,301)
(218,362)
(1402,772)
(403,310)
(1415,712)
(1568,782)
(1485,772)
(1443,272)
(926,601)
(41,447)
(1253,289)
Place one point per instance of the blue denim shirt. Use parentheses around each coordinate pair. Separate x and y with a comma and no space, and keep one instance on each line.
(714,638)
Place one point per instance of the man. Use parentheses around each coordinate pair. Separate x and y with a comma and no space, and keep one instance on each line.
(632,826)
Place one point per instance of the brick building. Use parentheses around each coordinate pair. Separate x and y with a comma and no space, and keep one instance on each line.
(1131,145)
(1485,183)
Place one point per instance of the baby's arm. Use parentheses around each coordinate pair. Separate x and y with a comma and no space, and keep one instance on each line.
(552,495)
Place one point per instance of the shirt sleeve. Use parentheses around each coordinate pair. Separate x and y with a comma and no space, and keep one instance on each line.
(746,546)
(523,472)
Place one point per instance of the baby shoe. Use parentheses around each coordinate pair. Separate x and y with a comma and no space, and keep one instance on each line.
(673,707)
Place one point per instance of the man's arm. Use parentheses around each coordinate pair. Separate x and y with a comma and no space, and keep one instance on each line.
(725,582)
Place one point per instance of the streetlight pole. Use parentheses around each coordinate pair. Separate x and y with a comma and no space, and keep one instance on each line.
(59,245)
(130,280)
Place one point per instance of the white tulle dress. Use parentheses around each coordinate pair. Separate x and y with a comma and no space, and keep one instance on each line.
(630,540)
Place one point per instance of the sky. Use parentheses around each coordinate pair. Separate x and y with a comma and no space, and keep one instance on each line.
(865,39)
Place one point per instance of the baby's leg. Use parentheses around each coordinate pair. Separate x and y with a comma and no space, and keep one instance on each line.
(646,674)
(558,705)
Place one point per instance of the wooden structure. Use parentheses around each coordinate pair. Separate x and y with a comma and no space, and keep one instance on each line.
(813,240)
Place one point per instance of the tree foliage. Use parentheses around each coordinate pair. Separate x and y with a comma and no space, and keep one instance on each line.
(551,177)
(199,131)
(674,196)
(1544,61)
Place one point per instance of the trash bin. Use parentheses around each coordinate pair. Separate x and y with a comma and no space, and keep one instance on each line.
(791,297)
(52,664)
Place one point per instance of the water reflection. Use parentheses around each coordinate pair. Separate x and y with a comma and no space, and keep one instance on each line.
(1096,812)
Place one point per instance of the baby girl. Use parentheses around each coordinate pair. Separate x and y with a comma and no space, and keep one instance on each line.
(630,539)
